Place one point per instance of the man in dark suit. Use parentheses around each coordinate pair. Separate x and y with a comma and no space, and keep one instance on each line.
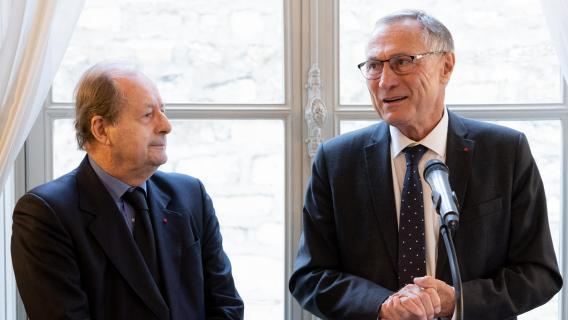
(354,249)
(116,239)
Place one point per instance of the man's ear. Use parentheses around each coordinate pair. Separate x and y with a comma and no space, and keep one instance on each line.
(449,62)
(99,130)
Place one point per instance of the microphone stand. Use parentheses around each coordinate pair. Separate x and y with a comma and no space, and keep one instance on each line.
(446,233)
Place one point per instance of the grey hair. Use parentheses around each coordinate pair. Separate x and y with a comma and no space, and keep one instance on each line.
(435,33)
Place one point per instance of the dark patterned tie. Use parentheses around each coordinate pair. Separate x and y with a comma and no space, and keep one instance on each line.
(411,243)
(143,232)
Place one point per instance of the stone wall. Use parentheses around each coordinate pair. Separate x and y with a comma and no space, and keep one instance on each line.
(200,51)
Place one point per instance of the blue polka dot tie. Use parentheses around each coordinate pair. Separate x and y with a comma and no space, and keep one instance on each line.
(411,243)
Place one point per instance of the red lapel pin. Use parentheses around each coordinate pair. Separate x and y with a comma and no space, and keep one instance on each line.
(165,220)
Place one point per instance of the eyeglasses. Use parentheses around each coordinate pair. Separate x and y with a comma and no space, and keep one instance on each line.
(401,64)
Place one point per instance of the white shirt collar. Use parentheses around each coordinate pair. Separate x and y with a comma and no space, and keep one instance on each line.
(435,140)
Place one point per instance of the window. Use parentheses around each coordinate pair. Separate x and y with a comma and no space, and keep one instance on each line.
(219,66)
(545,140)
(241,163)
(198,51)
(233,75)
(493,64)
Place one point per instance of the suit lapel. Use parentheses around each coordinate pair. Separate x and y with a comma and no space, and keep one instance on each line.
(378,166)
(114,237)
(170,229)
(459,155)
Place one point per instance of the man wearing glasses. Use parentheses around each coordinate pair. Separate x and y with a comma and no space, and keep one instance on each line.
(370,244)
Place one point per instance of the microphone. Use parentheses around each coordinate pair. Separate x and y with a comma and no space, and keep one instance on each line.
(444,199)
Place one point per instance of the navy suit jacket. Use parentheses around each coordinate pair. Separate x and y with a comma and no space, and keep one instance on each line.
(347,260)
(75,258)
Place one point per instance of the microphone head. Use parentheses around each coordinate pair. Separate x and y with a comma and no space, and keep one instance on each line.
(436,174)
(433,165)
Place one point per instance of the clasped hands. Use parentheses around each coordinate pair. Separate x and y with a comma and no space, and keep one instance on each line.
(426,299)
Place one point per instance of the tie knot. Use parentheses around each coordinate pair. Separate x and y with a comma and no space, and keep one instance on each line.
(414,154)
(136,198)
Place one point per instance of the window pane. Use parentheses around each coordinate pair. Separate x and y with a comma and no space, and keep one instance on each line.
(241,163)
(352,125)
(545,140)
(201,51)
(66,153)
(503,49)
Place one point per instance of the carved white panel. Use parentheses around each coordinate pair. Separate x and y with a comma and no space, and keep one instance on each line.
(316,110)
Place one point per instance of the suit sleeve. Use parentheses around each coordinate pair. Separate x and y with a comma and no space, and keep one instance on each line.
(222,301)
(318,282)
(530,277)
(45,266)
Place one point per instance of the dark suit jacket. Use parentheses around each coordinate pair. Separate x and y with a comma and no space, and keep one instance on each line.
(75,258)
(347,260)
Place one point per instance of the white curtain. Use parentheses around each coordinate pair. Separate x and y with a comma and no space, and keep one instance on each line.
(33,37)
(556,13)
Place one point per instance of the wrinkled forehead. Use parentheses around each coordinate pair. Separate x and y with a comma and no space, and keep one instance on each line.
(400,37)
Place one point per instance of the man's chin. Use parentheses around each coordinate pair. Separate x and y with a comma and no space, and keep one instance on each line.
(158,161)
(391,114)
(391,119)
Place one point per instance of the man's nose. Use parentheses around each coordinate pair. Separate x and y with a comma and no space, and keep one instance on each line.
(388,77)
(164,125)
